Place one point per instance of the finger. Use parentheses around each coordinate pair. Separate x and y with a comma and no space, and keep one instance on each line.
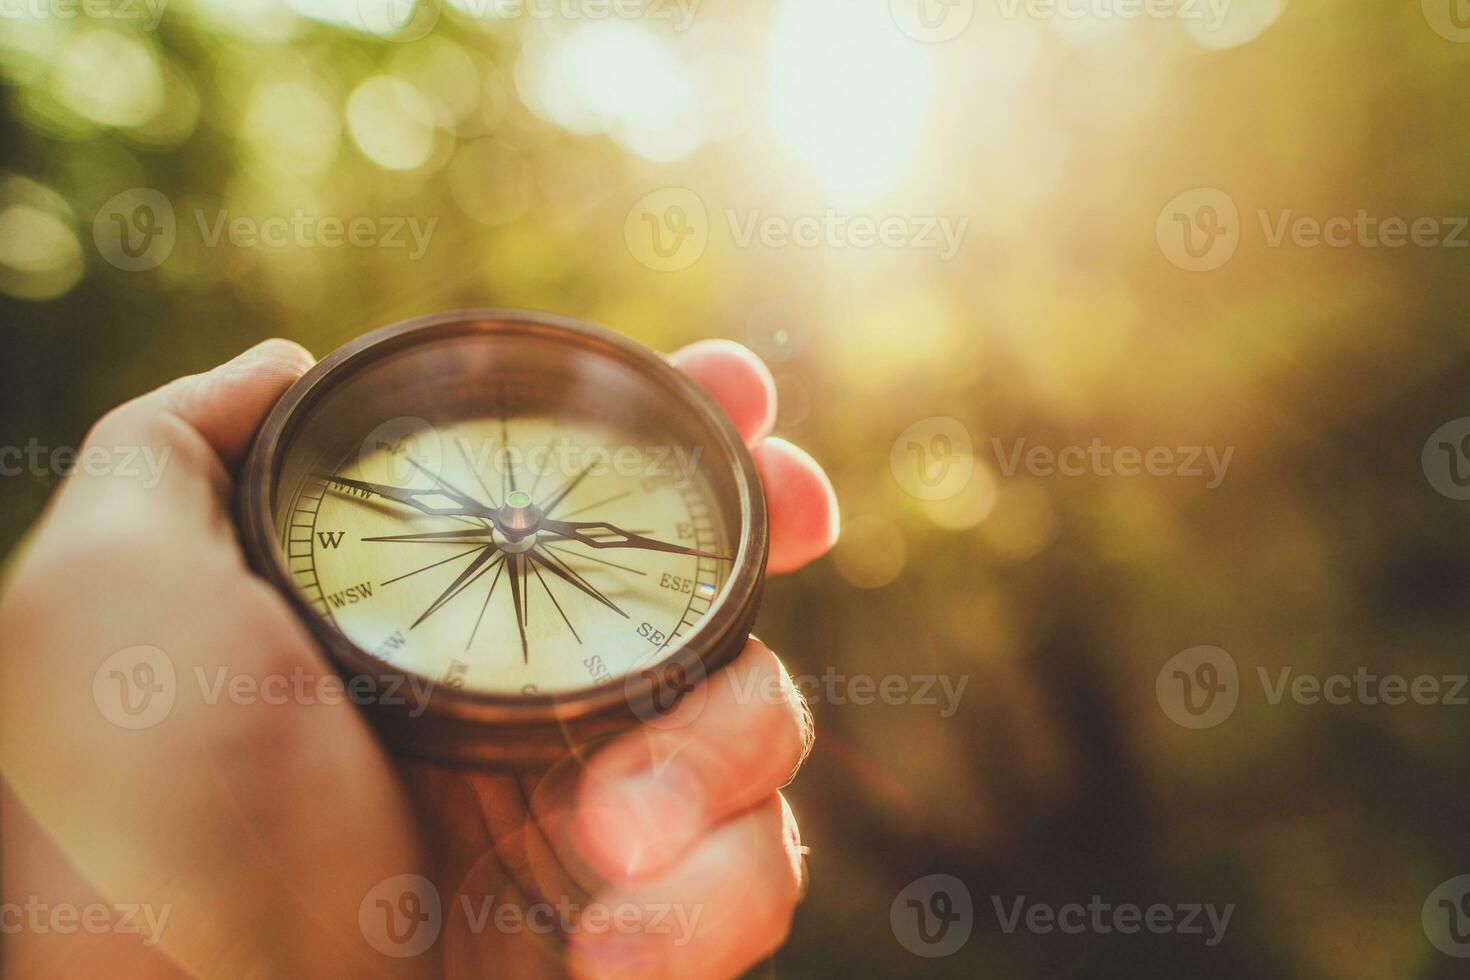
(721,910)
(648,797)
(222,407)
(802,505)
(226,405)
(162,460)
(739,380)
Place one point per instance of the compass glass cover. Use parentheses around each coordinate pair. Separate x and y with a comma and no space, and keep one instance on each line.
(507,513)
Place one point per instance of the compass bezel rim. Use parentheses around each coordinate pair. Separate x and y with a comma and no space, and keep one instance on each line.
(710,642)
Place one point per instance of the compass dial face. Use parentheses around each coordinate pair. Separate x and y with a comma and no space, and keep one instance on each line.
(582,597)
(508,517)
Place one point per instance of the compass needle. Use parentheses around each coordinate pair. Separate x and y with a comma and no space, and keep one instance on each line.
(566,574)
(540,472)
(600,561)
(437,537)
(613,537)
(451,490)
(462,582)
(436,564)
(510,465)
(552,596)
(517,598)
(550,506)
(459,504)
(470,465)
(600,503)
(486,605)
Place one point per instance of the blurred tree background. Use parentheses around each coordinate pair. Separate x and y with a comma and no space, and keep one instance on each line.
(542,145)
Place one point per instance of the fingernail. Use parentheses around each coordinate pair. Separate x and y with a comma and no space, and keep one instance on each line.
(645,819)
(274,349)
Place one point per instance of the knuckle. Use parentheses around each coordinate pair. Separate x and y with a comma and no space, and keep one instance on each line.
(782,876)
(802,728)
(764,728)
(786,716)
(130,422)
(145,423)
(774,927)
(795,852)
(288,353)
(789,738)
(113,423)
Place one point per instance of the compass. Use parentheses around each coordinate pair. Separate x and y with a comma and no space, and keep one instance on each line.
(513,533)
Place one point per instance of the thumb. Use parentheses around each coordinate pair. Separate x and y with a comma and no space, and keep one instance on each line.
(226,405)
(169,453)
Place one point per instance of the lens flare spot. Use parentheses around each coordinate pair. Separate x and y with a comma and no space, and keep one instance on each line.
(391,123)
(847,94)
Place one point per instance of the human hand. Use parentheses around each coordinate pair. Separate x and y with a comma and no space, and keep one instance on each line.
(261,825)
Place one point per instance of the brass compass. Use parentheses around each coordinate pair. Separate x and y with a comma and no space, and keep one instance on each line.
(512,532)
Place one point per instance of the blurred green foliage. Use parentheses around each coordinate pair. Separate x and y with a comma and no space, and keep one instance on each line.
(530,143)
